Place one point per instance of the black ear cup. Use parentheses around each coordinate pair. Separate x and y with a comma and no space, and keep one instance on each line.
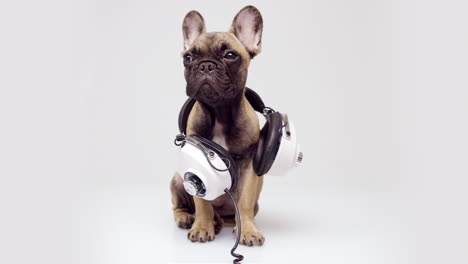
(223,154)
(268,143)
(258,167)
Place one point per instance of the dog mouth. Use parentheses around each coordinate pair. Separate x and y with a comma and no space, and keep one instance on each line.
(207,93)
(214,89)
(206,90)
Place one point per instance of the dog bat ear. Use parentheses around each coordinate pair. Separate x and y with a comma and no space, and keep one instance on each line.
(192,27)
(247,26)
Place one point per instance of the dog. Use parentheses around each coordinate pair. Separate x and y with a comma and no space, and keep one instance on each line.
(216,66)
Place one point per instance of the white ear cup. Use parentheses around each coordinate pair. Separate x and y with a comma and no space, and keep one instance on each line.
(192,161)
(289,153)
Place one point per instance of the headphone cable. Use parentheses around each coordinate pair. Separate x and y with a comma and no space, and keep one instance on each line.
(237,257)
(207,156)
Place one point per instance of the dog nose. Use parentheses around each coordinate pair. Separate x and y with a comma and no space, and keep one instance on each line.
(206,67)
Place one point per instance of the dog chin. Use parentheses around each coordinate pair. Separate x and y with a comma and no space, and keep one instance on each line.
(211,101)
(208,95)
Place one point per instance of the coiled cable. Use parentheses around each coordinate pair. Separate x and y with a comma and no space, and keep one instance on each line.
(237,257)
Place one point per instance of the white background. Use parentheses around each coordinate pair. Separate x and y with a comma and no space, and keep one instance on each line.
(89,97)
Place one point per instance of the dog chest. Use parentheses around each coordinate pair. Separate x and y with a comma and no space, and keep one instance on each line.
(218,135)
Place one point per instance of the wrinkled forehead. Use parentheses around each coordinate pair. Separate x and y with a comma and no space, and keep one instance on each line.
(213,42)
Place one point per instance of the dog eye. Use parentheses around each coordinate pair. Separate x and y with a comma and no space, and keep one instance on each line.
(231,56)
(187,58)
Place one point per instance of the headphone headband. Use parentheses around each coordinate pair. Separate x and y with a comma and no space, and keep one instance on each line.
(254,99)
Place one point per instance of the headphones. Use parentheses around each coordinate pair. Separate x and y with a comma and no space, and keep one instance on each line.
(208,169)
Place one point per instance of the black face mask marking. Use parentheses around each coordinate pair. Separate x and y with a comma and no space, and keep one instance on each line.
(214,72)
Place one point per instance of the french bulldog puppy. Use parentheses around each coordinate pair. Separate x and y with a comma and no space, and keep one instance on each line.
(216,66)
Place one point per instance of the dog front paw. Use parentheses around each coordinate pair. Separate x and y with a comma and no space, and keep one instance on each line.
(250,236)
(201,233)
(184,219)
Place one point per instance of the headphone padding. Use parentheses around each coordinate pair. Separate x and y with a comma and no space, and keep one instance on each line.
(259,153)
(268,143)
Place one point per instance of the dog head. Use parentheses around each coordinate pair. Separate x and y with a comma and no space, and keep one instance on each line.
(216,63)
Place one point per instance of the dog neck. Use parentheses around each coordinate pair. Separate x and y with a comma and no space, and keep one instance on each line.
(227,114)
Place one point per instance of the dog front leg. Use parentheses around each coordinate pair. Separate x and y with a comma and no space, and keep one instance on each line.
(249,191)
(203,227)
